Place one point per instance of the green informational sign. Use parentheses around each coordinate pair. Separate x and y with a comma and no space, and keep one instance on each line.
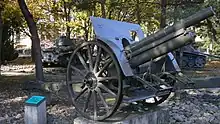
(35,100)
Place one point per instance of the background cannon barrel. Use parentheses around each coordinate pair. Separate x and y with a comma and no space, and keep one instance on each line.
(162,49)
(184,23)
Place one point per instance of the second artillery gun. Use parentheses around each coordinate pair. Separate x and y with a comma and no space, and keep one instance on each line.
(116,69)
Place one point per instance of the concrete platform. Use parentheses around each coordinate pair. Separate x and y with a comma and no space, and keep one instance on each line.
(157,115)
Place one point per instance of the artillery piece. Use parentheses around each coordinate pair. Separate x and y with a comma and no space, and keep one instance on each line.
(115,69)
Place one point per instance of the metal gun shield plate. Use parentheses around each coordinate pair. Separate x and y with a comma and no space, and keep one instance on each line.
(111,32)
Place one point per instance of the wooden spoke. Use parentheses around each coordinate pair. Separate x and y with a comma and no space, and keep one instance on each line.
(82,61)
(155,99)
(76,69)
(106,89)
(102,99)
(90,58)
(107,57)
(104,67)
(81,93)
(94,103)
(87,101)
(107,78)
(97,59)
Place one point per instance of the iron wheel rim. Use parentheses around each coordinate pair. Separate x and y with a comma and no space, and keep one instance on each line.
(94,86)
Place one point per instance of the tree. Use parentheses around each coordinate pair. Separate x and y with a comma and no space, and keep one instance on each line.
(12,25)
(1,30)
(35,39)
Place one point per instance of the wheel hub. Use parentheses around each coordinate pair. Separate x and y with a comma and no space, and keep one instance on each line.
(91,80)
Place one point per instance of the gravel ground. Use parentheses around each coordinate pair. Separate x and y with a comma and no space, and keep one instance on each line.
(193,107)
(12,95)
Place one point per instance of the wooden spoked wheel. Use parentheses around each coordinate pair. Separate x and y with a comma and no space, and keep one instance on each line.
(154,101)
(94,80)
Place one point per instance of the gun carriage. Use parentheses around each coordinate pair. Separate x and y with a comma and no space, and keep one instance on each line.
(115,69)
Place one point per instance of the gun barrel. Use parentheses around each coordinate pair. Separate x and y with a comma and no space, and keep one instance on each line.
(162,49)
(158,42)
(184,23)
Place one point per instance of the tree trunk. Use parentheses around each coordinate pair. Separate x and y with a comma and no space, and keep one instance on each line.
(138,12)
(1,30)
(32,53)
(35,40)
(103,8)
(67,16)
(163,14)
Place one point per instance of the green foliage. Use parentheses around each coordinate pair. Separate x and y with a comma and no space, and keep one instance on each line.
(54,17)
(12,22)
(12,15)
(208,30)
